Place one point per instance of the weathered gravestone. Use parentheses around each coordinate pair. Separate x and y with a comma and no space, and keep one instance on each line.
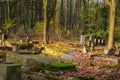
(15,48)
(27,60)
(10,71)
(69,56)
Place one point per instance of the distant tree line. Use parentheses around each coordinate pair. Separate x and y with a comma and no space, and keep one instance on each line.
(61,19)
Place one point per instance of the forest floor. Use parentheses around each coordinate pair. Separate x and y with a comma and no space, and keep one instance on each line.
(102,70)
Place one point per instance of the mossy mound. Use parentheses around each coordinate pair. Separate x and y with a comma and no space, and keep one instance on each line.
(55,66)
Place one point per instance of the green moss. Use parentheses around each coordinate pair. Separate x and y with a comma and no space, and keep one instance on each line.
(2,54)
(52,77)
(62,65)
(55,66)
(91,77)
(40,66)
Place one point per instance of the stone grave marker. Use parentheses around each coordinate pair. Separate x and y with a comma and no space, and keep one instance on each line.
(99,41)
(15,48)
(21,41)
(10,71)
(70,58)
(92,46)
(95,41)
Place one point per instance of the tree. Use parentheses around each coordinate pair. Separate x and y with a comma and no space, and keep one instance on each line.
(112,8)
(45,40)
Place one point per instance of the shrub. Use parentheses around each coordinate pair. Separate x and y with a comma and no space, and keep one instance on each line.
(25,46)
(5,48)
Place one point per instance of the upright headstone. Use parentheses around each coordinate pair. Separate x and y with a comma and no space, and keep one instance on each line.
(15,37)
(92,46)
(103,42)
(91,43)
(21,41)
(15,48)
(95,41)
(84,50)
(82,38)
(27,39)
(99,41)
(91,38)
(9,71)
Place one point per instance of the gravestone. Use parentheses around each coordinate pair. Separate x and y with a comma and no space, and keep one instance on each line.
(14,48)
(102,41)
(28,60)
(95,41)
(82,39)
(68,57)
(99,41)
(92,46)
(21,41)
(10,71)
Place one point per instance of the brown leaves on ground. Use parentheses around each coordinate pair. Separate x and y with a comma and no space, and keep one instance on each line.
(83,71)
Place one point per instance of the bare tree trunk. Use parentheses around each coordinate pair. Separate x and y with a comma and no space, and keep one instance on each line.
(112,5)
(45,40)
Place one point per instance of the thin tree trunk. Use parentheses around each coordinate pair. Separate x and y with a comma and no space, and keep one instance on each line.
(45,41)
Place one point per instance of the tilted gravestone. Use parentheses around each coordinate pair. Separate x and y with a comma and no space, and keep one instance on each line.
(10,71)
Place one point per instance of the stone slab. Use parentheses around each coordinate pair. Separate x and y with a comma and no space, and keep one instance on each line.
(116,61)
(70,58)
(27,60)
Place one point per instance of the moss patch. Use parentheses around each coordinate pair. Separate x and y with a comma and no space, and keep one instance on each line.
(55,66)
(2,54)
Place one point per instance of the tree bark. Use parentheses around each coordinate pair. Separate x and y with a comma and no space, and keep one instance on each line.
(112,5)
(45,38)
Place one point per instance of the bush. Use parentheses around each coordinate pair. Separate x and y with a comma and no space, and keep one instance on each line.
(5,48)
(25,46)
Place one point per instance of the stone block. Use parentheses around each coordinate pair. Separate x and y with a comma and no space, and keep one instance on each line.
(68,57)
(10,71)
(27,60)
